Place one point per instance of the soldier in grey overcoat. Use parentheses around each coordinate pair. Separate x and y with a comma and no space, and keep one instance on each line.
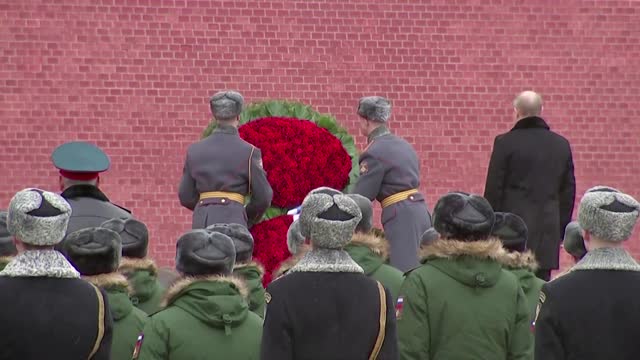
(390,173)
(222,170)
(80,165)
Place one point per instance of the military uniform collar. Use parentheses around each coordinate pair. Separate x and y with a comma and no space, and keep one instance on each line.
(607,259)
(90,191)
(226,129)
(378,132)
(531,122)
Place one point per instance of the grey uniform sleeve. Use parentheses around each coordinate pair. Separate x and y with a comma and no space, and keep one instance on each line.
(494,188)
(261,192)
(187,190)
(371,175)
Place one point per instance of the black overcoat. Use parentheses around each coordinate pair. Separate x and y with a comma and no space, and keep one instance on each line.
(51,318)
(326,316)
(531,174)
(589,315)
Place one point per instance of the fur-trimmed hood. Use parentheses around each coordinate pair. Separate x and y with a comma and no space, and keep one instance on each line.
(217,301)
(128,264)
(473,264)
(516,260)
(369,251)
(250,270)
(286,265)
(490,249)
(117,289)
(378,245)
(109,281)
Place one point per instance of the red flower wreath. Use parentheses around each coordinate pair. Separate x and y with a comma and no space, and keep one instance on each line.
(298,156)
(271,243)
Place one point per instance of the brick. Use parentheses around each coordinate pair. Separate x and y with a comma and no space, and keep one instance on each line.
(134,76)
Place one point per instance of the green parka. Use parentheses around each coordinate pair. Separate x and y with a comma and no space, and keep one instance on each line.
(147,291)
(252,274)
(371,253)
(524,266)
(460,304)
(205,318)
(128,321)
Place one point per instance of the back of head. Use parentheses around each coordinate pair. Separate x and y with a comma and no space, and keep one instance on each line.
(608,214)
(366,209)
(459,216)
(93,251)
(226,105)
(7,247)
(242,239)
(375,108)
(573,242)
(528,103)
(202,253)
(38,217)
(329,218)
(511,230)
(134,235)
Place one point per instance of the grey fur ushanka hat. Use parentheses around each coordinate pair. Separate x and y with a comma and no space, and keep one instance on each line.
(374,108)
(328,218)
(366,208)
(226,105)
(38,217)
(93,251)
(573,242)
(204,252)
(242,239)
(134,235)
(608,213)
(294,237)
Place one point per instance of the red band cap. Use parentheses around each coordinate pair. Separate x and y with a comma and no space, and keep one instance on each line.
(80,176)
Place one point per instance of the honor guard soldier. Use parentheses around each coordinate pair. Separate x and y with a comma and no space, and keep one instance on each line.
(390,173)
(80,165)
(222,170)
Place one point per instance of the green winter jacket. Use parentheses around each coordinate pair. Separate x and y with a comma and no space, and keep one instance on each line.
(205,318)
(460,304)
(252,274)
(523,266)
(147,292)
(128,321)
(371,252)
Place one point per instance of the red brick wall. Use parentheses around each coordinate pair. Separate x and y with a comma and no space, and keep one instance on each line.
(134,77)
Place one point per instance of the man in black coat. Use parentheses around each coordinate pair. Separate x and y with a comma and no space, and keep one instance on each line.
(325,307)
(592,312)
(48,312)
(531,175)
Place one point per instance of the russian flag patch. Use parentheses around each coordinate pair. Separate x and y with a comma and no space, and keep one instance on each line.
(399,307)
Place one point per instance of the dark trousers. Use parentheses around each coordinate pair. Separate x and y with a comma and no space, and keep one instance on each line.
(544,274)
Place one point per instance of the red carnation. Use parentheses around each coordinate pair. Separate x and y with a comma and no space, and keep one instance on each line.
(270,239)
